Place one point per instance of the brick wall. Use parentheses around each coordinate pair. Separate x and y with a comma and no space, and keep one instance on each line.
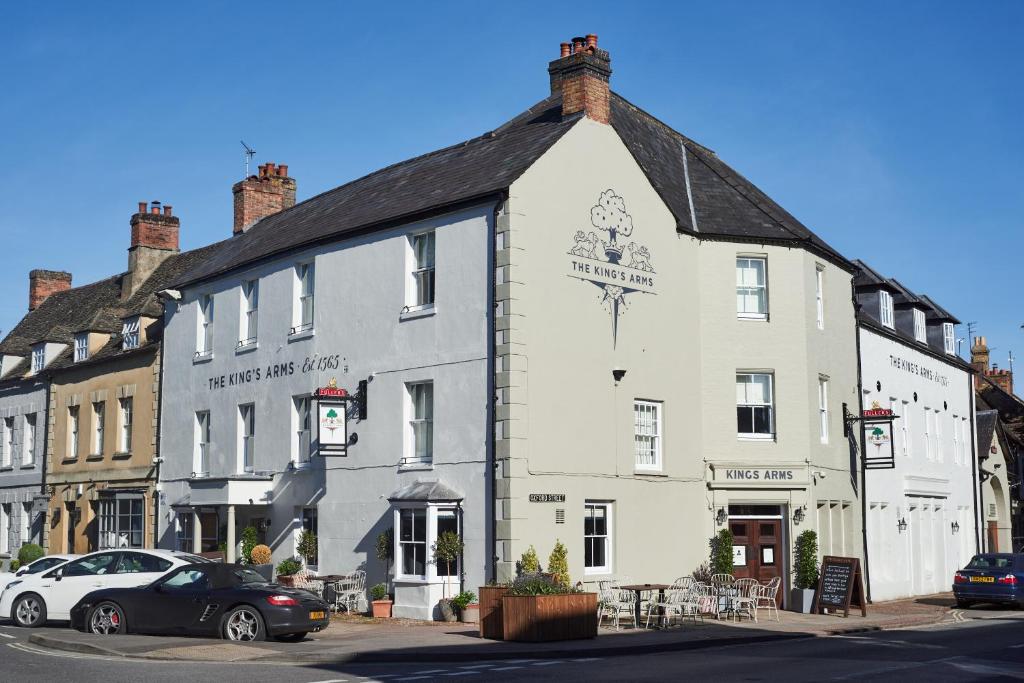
(262,195)
(43,283)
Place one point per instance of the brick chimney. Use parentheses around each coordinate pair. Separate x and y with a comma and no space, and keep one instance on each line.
(259,196)
(581,74)
(154,238)
(43,283)
(1001,378)
(979,355)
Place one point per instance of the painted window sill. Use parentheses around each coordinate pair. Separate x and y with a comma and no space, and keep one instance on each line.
(94,457)
(122,455)
(30,466)
(300,335)
(6,468)
(649,472)
(416,467)
(246,348)
(202,358)
(762,438)
(414,312)
(69,460)
(752,318)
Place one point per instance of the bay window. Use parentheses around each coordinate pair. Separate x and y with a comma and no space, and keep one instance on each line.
(412,542)
(418,525)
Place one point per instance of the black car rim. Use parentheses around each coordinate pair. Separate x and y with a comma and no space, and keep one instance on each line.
(243,625)
(28,611)
(106,619)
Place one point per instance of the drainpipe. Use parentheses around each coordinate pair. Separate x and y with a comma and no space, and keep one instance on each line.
(44,539)
(157,459)
(492,463)
(974,466)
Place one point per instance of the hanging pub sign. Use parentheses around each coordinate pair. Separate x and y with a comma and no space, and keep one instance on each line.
(879,452)
(332,420)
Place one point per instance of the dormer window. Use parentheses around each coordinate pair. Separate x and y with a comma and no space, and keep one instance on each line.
(920,333)
(38,358)
(948,338)
(885,308)
(130,334)
(81,346)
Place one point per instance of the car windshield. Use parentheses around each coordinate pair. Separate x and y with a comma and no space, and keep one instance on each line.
(192,559)
(249,576)
(44,564)
(991,562)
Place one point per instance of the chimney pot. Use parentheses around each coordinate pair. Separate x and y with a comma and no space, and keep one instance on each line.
(591,41)
(282,170)
(577,44)
(581,76)
(270,168)
(167,209)
(263,170)
(143,207)
(566,50)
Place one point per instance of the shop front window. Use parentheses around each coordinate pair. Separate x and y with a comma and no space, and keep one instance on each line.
(121,520)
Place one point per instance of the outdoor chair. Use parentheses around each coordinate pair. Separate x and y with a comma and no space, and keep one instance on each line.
(350,591)
(745,599)
(765,598)
(679,601)
(722,579)
(614,603)
(308,581)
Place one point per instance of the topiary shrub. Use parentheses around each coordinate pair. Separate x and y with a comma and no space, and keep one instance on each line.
(386,549)
(288,567)
(529,563)
(29,553)
(448,548)
(250,538)
(539,584)
(721,553)
(379,592)
(558,563)
(805,565)
(307,546)
(261,554)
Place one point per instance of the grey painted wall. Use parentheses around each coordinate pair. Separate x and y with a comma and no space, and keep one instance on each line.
(21,482)
(360,293)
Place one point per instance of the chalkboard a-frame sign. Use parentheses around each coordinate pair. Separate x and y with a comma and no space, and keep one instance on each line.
(840,586)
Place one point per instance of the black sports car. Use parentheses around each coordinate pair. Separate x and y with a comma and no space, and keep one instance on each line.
(208,599)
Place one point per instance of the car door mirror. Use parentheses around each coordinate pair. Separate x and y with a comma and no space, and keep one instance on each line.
(58,574)
(21,572)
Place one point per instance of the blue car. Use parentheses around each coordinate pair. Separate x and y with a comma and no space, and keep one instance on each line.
(991,577)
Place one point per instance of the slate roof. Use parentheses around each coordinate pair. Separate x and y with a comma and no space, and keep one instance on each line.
(867,277)
(726,205)
(936,312)
(986,421)
(426,491)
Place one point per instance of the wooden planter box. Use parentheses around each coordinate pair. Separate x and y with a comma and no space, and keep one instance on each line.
(490,612)
(538,618)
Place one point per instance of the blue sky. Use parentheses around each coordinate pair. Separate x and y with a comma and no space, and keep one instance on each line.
(891,129)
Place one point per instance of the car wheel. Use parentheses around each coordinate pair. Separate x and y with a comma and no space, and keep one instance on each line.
(106,619)
(291,637)
(29,611)
(244,623)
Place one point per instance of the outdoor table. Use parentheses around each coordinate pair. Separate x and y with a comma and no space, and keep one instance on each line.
(329,581)
(724,593)
(639,589)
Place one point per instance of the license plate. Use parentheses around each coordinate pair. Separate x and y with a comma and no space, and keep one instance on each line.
(316,615)
(983,579)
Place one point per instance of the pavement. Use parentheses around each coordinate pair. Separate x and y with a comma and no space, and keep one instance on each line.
(362,640)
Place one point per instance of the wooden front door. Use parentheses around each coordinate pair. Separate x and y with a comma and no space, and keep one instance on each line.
(757,550)
(993,537)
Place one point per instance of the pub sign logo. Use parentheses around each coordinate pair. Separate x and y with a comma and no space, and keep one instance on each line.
(618,266)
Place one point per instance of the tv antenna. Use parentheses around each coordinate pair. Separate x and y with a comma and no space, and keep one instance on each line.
(249,154)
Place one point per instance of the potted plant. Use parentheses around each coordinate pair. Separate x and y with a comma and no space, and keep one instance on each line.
(544,607)
(261,557)
(468,608)
(805,572)
(529,563)
(386,551)
(558,563)
(307,547)
(381,601)
(448,548)
(286,571)
(721,553)
(250,539)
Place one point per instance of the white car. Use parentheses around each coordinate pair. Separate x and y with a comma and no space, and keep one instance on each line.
(33,599)
(37,567)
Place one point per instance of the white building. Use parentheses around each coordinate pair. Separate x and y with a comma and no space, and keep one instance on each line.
(920,517)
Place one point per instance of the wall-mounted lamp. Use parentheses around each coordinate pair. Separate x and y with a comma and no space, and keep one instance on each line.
(798,516)
(721,516)
(956,527)
(902,524)
(618,374)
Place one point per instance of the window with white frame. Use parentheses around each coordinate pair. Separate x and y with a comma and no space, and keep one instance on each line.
(204,342)
(823,408)
(905,427)
(28,450)
(99,419)
(948,338)
(81,347)
(819,295)
(38,358)
(420,410)
(597,538)
(5,528)
(940,446)
(73,432)
(250,312)
(422,294)
(130,334)
(26,524)
(412,541)
(301,444)
(956,440)
(7,442)
(920,331)
(963,441)
(305,284)
(647,426)
(125,437)
(885,315)
(201,466)
(751,288)
(929,431)
(247,423)
(183,528)
(754,406)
